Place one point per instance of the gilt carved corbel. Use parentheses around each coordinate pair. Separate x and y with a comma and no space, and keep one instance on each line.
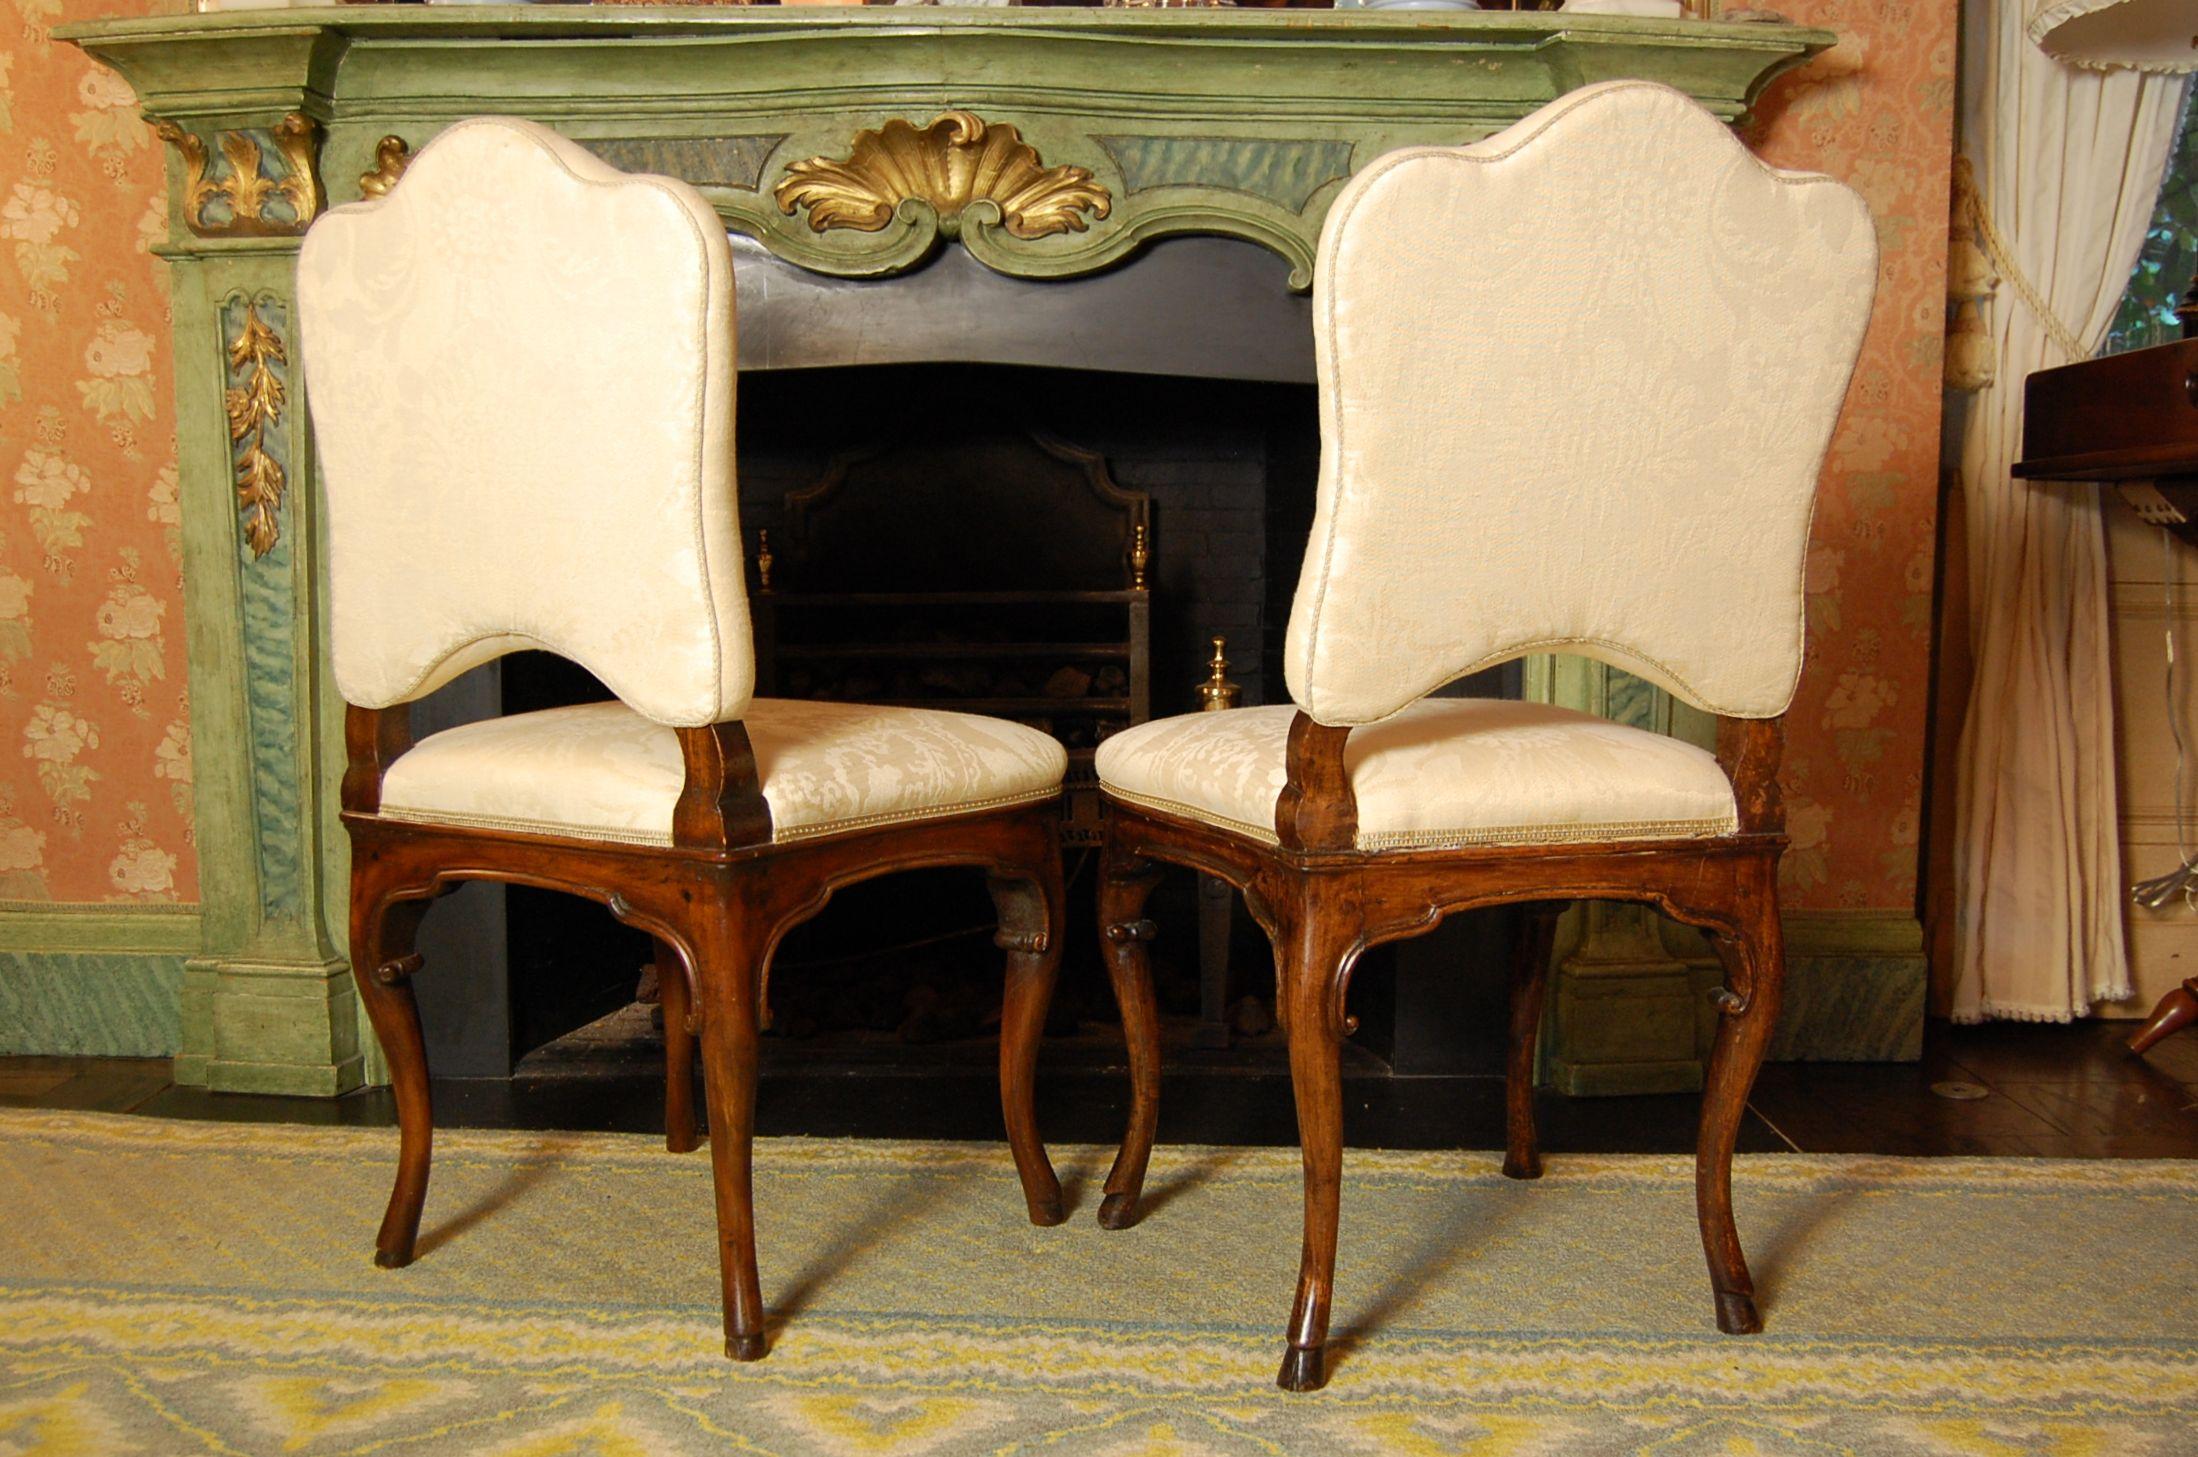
(391,156)
(249,193)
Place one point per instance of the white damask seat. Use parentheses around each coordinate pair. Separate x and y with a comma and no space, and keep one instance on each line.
(1444,772)
(520,370)
(602,771)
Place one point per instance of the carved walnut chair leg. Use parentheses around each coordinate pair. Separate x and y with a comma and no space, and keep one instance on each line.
(382,964)
(1755,968)
(2177,1010)
(680,1132)
(727,945)
(1313,962)
(1522,1157)
(1031,913)
(1124,884)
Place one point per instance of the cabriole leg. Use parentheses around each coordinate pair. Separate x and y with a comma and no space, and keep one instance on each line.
(1755,967)
(1312,965)
(680,1133)
(1031,910)
(727,949)
(382,964)
(1529,980)
(1124,884)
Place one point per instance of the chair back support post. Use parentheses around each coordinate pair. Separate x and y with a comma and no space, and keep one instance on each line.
(721,806)
(1748,750)
(373,738)
(1316,809)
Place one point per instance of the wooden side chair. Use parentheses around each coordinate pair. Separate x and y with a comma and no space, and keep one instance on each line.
(1576,383)
(520,368)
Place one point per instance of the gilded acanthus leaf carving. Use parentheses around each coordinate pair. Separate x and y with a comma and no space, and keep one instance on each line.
(255,402)
(247,188)
(248,183)
(957,160)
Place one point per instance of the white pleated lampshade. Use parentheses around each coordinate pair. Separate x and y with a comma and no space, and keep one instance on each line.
(2144,35)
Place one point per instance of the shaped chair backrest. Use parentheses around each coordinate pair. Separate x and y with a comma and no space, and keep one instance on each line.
(1576,383)
(520,369)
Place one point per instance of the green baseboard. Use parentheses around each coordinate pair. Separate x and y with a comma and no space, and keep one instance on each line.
(1855,988)
(93,980)
(1635,1016)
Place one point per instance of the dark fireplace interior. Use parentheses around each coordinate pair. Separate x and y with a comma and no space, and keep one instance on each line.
(984,537)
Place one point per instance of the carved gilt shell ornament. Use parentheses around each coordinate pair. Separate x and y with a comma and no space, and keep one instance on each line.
(958,160)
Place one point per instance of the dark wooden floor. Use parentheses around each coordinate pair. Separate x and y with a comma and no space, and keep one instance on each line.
(2013,1089)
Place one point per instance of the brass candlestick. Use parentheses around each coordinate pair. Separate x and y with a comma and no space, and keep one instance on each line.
(1217,692)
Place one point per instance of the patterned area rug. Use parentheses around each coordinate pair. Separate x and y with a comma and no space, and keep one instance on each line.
(175,1287)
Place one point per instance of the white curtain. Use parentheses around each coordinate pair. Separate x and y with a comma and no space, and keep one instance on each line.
(2068,165)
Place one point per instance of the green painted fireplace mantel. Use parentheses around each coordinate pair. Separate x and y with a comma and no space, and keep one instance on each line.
(1120,126)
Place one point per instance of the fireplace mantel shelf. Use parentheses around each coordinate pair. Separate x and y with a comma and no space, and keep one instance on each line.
(1242,123)
(1110,128)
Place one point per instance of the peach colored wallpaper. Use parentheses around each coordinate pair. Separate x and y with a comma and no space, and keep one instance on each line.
(95,758)
(1879,113)
(95,769)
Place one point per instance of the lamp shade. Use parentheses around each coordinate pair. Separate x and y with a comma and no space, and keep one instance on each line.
(2144,35)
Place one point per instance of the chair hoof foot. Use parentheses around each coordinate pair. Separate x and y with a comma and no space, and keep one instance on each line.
(745,1348)
(1303,1369)
(1518,1168)
(1118,1211)
(1046,1215)
(1736,1314)
(393,1259)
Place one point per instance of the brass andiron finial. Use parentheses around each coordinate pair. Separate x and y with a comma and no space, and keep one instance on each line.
(763,561)
(1217,692)
(1140,555)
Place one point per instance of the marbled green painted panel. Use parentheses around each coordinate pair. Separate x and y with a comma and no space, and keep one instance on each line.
(91,1004)
(1631,701)
(270,648)
(1851,1009)
(735,162)
(1284,172)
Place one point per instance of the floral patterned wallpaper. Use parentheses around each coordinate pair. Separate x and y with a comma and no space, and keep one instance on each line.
(95,756)
(1877,112)
(95,767)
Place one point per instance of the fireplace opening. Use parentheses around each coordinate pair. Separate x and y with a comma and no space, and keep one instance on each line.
(1055,546)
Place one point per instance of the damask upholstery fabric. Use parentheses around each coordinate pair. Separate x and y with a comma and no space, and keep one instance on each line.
(520,367)
(1443,772)
(602,771)
(1576,382)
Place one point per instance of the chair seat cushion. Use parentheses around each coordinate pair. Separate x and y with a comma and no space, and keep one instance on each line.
(600,771)
(1445,772)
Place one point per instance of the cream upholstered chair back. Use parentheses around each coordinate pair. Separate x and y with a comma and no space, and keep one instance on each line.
(520,370)
(1576,382)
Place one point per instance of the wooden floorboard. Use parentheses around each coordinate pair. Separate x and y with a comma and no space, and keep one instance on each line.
(2046,1092)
